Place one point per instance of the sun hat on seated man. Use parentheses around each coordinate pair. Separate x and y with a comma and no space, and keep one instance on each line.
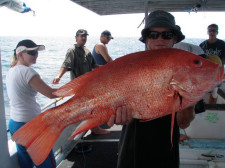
(160,18)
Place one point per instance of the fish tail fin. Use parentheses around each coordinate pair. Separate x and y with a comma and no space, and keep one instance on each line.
(25,135)
(41,147)
(38,136)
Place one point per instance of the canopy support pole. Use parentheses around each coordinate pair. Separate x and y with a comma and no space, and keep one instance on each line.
(146,16)
(146,10)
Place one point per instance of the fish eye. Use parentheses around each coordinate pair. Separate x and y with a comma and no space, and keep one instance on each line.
(198,63)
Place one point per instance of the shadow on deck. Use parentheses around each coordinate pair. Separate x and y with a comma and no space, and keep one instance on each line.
(103,153)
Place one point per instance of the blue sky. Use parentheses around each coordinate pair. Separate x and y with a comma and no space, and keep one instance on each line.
(63,18)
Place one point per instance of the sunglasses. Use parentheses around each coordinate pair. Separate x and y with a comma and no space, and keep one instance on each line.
(32,52)
(108,37)
(212,30)
(166,35)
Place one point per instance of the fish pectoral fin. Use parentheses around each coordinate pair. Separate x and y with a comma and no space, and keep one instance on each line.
(177,101)
(172,126)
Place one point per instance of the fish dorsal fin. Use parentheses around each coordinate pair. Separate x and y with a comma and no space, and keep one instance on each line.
(73,86)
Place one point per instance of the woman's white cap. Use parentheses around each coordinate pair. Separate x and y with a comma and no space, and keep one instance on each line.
(28,45)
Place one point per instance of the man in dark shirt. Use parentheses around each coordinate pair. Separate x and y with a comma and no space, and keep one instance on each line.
(214,47)
(215,51)
(148,144)
(100,51)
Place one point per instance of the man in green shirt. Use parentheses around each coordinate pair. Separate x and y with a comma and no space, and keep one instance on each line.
(79,61)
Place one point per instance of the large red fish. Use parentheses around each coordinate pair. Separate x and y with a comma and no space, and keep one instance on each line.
(151,83)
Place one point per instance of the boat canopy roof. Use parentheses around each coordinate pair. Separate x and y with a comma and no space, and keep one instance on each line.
(112,7)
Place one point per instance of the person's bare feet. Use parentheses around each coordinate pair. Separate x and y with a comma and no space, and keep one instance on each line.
(183,137)
(212,100)
(99,131)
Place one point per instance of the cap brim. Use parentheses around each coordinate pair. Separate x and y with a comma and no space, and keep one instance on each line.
(83,34)
(24,48)
(39,48)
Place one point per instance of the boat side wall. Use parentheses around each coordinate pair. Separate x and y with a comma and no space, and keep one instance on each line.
(5,159)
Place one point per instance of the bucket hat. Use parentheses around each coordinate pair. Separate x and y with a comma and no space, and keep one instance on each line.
(160,18)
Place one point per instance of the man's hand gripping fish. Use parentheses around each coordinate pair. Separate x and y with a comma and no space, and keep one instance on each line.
(152,83)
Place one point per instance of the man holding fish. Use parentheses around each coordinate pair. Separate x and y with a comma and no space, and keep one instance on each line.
(149,143)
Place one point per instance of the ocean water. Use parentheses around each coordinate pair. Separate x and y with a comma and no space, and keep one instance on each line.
(49,61)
